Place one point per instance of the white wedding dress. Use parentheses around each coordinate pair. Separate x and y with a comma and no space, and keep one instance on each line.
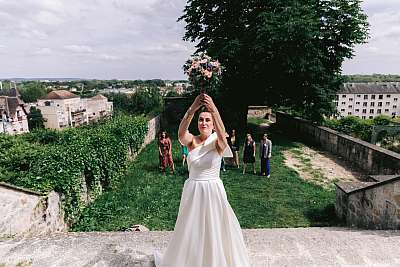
(207,232)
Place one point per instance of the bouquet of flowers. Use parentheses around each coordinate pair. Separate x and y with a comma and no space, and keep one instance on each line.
(203,72)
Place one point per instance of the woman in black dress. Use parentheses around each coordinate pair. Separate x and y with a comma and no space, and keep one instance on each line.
(249,153)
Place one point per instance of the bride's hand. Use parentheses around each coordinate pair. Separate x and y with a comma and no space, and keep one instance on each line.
(209,104)
(197,103)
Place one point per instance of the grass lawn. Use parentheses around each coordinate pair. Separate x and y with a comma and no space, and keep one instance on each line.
(151,198)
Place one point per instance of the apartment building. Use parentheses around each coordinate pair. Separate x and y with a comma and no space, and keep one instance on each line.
(368,100)
(13,114)
(61,109)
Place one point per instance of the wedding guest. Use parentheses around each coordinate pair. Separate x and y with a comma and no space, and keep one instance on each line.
(265,155)
(233,143)
(165,152)
(184,153)
(249,153)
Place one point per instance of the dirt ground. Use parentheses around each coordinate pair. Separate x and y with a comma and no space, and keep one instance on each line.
(320,167)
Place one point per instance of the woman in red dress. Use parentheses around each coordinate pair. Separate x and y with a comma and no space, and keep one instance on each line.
(165,152)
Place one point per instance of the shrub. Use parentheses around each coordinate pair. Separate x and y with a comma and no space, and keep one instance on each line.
(94,156)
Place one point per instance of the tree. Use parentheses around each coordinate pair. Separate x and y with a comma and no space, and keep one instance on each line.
(35,119)
(279,53)
(31,91)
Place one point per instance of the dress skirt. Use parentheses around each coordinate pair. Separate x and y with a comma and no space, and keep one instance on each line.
(207,232)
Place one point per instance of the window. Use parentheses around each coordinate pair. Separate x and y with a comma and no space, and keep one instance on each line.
(364,111)
(386,110)
(393,113)
(47,103)
(372,96)
(342,110)
(372,104)
(350,106)
(394,106)
(343,103)
(379,104)
(363,117)
(395,99)
(357,110)
(337,104)
(379,111)
(387,96)
(371,111)
(387,103)
(365,104)
(350,99)
(349,113)
(343,96)
(365,96)
(380,96)
(357,103)
(358,95)
(370,117)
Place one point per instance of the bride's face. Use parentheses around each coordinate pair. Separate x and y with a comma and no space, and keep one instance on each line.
(205,123)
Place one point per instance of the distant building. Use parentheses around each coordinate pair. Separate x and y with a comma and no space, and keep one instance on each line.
(368,100)
(13,114)
(98,107)
(61,109)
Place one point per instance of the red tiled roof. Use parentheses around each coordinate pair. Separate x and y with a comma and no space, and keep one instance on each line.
(60,94)
(98,97)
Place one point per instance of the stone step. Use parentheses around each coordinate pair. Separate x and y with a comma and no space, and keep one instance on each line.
(267,247)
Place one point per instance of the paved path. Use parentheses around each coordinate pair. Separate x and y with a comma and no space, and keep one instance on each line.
(267,247)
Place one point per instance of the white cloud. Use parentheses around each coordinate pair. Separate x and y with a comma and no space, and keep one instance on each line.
(107,57)
(43,51)
(381,54)
(79,48)
(48,18)
(73,36)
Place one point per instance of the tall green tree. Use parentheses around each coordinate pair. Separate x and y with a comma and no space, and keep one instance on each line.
(278,52)
(31,91)
(35,119)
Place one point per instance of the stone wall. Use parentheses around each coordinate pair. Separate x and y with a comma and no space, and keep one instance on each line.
(153,129)
(372,205)
(174,110)
(259,112)
(24,212)
(368,157)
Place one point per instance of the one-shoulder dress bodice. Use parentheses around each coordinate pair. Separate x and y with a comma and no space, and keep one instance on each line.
(204,161)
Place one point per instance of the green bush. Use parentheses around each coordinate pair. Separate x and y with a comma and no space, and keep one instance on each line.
(95,155)
(351,125)
(359,128)
(145,101)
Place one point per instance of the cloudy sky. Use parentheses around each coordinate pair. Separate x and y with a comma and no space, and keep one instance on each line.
(382,52)
(139,39)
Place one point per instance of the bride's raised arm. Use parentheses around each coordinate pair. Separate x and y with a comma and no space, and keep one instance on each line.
(218,124)
(185,138)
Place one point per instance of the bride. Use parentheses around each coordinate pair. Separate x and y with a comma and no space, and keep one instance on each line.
(207,232)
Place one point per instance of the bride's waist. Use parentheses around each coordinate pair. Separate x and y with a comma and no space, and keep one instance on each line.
(204,175)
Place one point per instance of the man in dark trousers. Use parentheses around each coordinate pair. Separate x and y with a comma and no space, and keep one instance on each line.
(265,155)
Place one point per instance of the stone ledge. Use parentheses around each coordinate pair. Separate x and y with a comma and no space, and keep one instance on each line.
(267,247)
(21,189)
(383,178)
(350,187)
(353,187)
